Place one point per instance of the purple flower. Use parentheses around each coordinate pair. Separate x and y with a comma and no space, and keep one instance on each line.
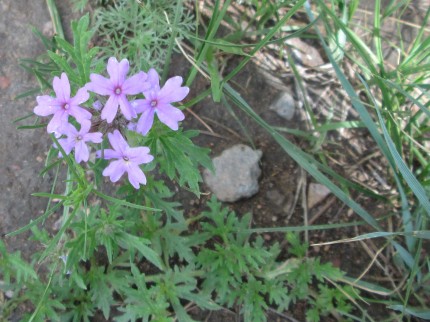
(63,105)
(158,101)
(77,140)
(97,105)
(128,160)
(117,87)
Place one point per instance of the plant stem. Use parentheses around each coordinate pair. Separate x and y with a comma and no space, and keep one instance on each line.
(55,17)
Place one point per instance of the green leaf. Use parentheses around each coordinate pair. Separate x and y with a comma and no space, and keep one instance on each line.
(179,157)
(212,65)
(55,17)
(422,313)
(409,177)
(49,195)
(21,270)
(101,294)
(158,195)
(129,241)
(30,127)
(78,280)
(228,47)
(64,66)
(122,202)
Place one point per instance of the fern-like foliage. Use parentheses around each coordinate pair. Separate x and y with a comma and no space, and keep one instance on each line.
(141,30)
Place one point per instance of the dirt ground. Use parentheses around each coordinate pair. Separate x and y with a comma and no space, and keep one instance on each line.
(23,151)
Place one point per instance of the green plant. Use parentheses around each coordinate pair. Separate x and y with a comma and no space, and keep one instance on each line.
(396,132)
(134,252)
(136,255)
(142,31)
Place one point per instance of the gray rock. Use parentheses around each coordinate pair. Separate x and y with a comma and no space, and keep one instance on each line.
(284,106)
(316,193)
(236,173)
(304,53)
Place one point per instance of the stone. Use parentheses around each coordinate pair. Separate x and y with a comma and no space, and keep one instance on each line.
(316,193)
(236,173)
(284,106)
(9,294)
(305,54)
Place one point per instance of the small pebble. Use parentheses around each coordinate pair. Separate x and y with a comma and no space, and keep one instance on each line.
(9,294)
(284,106)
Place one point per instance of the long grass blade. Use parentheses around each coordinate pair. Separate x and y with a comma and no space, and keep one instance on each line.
(300,157)
(412,181)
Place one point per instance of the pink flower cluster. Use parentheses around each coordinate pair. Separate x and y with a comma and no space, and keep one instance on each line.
(139,114)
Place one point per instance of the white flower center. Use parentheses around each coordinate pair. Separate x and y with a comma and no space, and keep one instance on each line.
(66,106)
(154,103)
(117,91)
(126,158)
(79,137)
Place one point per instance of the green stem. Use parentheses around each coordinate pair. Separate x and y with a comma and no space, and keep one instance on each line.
(42,299)
(55,17)
(174,30)
(212,29)
(264,41)
(69,184)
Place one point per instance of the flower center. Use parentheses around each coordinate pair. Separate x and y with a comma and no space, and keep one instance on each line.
(126,159)
(117,90)
(66,106)
(154,103)
(79,138)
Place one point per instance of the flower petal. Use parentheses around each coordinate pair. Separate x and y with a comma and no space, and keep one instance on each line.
(58,122)
(62,87)
(81,96)
(170,115)
(145,121)
(95,137)
(69,130)
(139,155)
(132,125)
(109,154)
(81,152)
(110,109)
(79,113)
(85,127)
(136,84)
(97,105)
(118,142)
(154,79)
(117,71)
(127,110)
(47,105)
(172,91)
(135,175)
(139,105)
(67,145)
(115,170)
(100,85)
